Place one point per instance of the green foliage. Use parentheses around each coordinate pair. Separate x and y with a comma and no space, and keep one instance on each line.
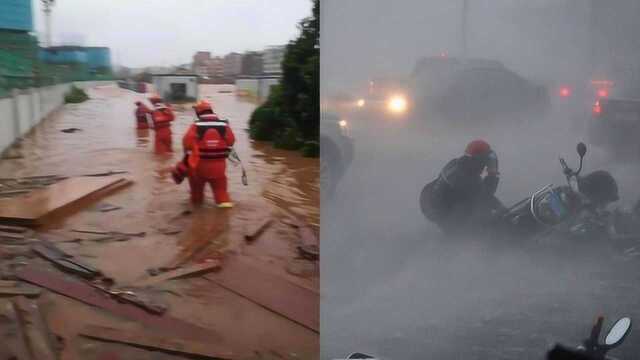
(292,112)
(288,139)
(75,95)
(311,149)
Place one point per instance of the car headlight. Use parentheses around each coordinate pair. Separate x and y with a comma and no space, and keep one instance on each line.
(397,104)
(360,103)
(344,127)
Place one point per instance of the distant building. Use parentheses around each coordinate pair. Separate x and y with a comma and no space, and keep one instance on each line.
(232,65)
(201,57)
(176,87)
(16,15)
(201,63)
(95,59)
(216,67)
(252,63)
(272,59)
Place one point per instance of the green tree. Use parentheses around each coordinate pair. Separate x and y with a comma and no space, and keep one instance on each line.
(301,76)
(292,108)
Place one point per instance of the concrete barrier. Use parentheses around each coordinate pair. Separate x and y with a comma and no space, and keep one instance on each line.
(24,109)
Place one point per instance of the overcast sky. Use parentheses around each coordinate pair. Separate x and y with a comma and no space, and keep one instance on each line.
(168,32)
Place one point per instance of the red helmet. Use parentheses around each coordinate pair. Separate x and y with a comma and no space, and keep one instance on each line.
(477,148)
(202,107)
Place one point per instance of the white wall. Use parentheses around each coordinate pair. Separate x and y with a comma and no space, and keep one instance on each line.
(259,88)
(26,108)
(162,85)
(249,86)
(265,87)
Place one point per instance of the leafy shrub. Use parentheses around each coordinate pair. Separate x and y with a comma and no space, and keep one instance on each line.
(75,96)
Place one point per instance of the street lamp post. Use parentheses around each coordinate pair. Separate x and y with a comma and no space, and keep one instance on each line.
(48,4)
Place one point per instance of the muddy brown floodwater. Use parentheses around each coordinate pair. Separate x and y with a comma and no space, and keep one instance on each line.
(281,184)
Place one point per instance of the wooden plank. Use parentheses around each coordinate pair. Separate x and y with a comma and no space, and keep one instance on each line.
(20,290)
(84,292)
(40,202)
(12,331)
(14,229)
(38,337)
(279,295)
(253,233)
(153,341)
(181,272)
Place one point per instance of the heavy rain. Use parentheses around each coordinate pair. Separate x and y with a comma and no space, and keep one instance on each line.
(393,284)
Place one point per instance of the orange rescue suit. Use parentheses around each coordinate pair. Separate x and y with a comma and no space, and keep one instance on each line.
(208,142)
(162,118)
(141,116)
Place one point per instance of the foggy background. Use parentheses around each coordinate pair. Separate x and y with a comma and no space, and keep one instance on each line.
(391,284)
(169,32)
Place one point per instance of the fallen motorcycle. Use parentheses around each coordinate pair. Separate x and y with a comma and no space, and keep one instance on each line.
(582,201)
(580,206)
(592,348)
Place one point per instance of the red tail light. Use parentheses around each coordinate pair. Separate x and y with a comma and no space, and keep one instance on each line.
(603,93)
(565,91)
(597,109)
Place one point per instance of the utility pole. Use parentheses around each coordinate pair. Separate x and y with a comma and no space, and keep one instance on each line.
(463,27)
(48,4)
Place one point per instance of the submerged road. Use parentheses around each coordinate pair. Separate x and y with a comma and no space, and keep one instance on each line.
(280,183)
(393,286)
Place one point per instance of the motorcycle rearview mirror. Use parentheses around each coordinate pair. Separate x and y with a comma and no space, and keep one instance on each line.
(618,332)
(581,149)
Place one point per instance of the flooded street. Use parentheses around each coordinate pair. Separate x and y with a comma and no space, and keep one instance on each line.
(396,287)
(282,184)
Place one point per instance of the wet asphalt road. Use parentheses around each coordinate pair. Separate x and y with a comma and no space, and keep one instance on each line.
(393,286)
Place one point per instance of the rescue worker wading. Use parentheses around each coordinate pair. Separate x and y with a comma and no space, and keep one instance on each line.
(208,142)
(460,197)
(162,116)
(142,111)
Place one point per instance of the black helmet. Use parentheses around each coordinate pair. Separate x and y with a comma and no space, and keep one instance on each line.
(599,186)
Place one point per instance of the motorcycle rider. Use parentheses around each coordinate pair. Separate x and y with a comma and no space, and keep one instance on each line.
(461,196)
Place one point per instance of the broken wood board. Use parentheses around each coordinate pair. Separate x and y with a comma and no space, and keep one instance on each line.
(84,292)
(39,339)
(156,342)
(307,236)
(64,261)
(38,203)
(14,340)
(191,270)
(14,229)
(25,290)
(252,233)
(273,292)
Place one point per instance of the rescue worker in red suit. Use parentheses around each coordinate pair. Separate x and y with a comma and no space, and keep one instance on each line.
(208,142)
(141,115)
(461,198)
(161,117)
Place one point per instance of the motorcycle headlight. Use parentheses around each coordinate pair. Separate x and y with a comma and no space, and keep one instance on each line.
(360,103)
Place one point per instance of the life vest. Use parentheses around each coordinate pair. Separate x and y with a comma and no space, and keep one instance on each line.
(162,117)
(211,143)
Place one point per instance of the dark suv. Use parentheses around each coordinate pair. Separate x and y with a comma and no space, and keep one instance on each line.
(474,90)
